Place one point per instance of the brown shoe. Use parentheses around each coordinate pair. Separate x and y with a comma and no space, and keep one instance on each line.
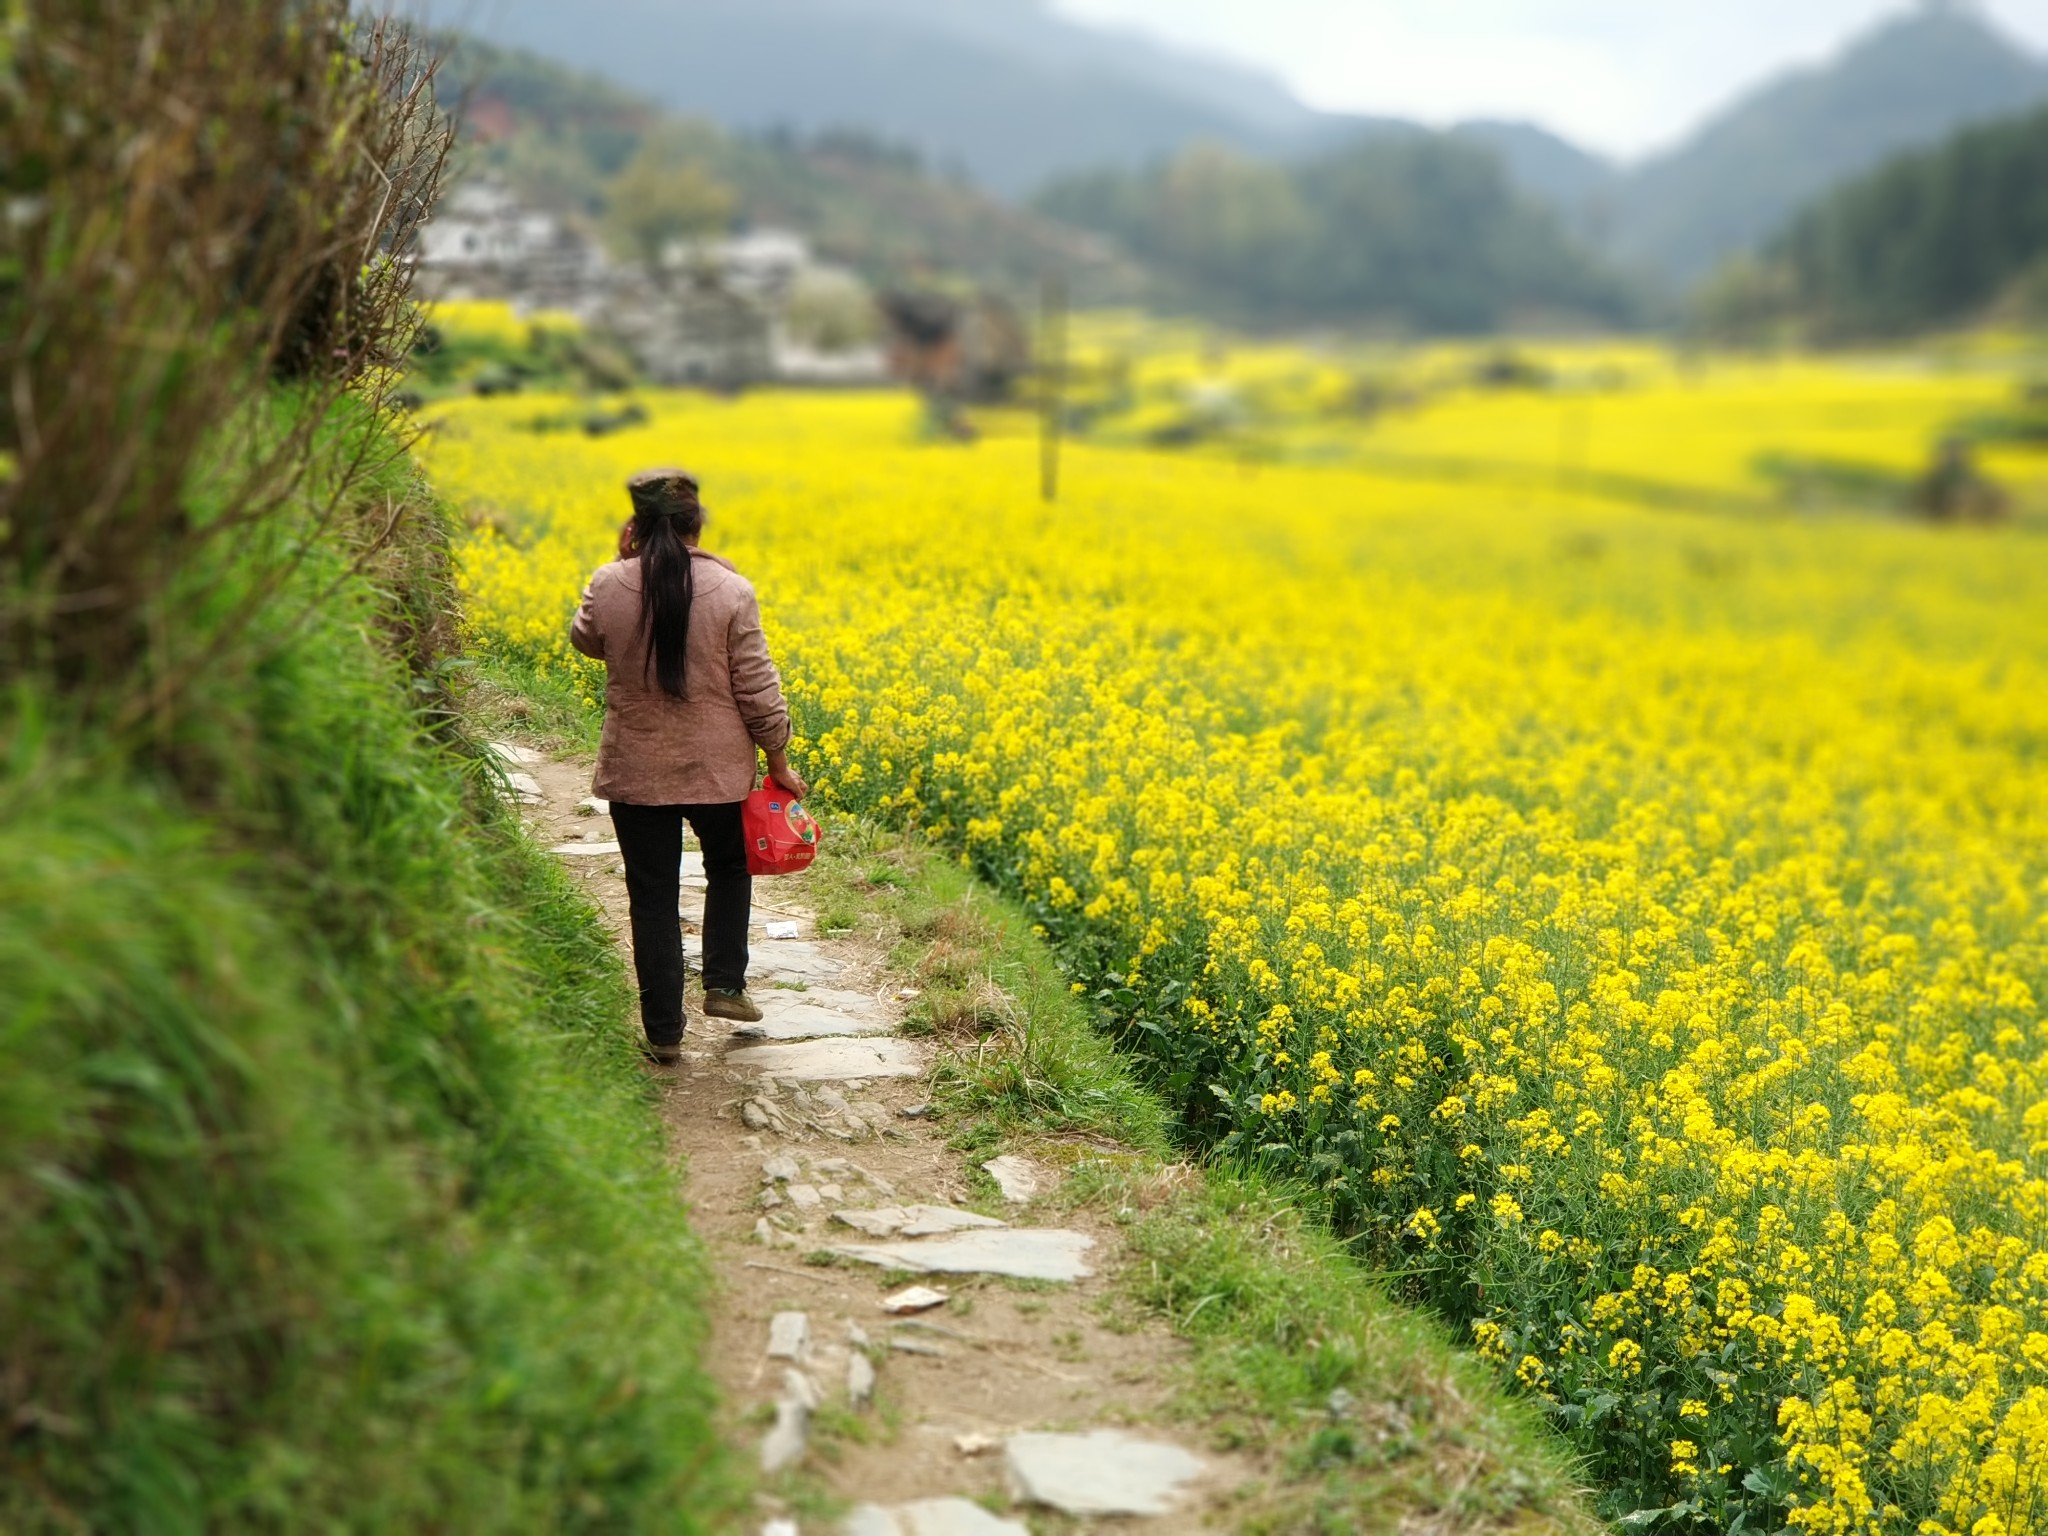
(661,1055)
(737,1006)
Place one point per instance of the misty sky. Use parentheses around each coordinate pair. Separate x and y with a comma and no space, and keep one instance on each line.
(1622,76)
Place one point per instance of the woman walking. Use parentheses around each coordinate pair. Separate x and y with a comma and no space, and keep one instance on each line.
(690,696)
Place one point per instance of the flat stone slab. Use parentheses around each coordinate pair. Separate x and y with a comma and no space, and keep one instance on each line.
(914,1220)
(930,1517)
(1106,1472)
(833,1060)
(799,1016)
(793,960)
(586,850)
(1020,1179)
(512,752)
(1022,1253)
(789,1336)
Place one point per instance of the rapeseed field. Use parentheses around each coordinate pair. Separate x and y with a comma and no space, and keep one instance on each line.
(1634,918)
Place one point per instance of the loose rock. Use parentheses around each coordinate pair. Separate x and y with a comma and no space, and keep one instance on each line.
(916,1298)
(1018,1178)
(1103,1473)
(789,1336)
(786,1439)
(860,1379)
(804,1197)
(779,1168)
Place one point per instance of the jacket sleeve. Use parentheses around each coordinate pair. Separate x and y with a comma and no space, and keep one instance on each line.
(756,686)
(584,631)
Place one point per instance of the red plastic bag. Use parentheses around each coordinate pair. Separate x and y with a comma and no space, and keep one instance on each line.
(781,836)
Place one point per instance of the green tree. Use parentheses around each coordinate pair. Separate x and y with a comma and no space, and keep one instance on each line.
(665,194)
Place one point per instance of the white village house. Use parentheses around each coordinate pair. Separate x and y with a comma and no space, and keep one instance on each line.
(715,316)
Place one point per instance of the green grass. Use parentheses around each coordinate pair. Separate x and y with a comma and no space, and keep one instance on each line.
(330,1192)
(1370,1418)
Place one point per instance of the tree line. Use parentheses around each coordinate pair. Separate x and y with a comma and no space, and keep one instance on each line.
(1413,231)
(1932,238)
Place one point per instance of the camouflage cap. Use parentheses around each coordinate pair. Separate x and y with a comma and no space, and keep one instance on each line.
(663,493)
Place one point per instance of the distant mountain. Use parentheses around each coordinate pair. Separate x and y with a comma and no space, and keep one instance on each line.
(1004,89)
(1736,181)
(1579,186)
(1016,96)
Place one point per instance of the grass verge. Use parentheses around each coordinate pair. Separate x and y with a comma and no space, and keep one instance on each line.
(1366,1415)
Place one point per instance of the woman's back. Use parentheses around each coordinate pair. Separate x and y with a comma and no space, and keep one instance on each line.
(698,749)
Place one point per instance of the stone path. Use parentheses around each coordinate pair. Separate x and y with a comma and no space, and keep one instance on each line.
(809,1136)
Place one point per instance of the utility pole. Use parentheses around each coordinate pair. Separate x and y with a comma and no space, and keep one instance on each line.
(1052,382)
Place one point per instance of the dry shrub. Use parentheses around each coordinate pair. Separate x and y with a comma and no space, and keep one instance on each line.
(974,1009)
(208,206)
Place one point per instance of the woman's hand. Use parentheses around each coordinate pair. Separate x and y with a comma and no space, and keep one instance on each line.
(627,548)
(786,778)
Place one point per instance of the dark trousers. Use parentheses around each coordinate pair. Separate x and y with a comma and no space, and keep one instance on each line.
(651,842)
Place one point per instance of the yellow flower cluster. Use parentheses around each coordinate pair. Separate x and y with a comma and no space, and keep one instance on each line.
(1636,923)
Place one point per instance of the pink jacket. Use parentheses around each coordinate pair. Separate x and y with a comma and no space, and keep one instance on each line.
(659,750)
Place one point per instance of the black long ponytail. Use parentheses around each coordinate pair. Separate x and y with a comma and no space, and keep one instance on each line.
(667,518)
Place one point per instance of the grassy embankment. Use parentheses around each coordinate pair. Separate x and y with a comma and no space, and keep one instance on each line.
(1280,1317)
(330,1197)
(332,1193)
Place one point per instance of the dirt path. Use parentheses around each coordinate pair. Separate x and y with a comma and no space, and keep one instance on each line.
(785,1130)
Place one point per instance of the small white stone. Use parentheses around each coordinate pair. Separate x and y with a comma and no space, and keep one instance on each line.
(771,1197)
(789,1336)
(592,806)
(974,1445)
(832,1194)
(779,1168)
(804,1197)
(780,1528)
(1020,1179)
(915,1298)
